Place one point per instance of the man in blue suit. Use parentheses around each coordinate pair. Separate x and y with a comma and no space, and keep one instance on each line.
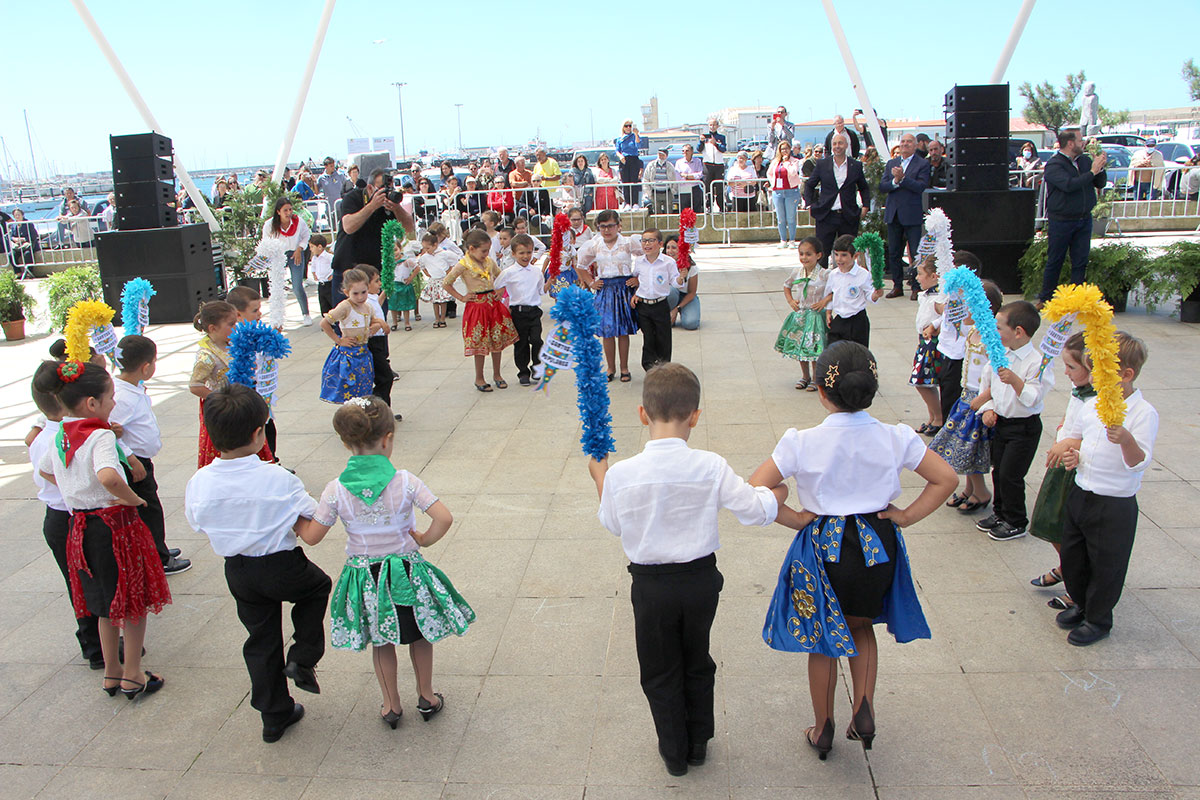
(904,180)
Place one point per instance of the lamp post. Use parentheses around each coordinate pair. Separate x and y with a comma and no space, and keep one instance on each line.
(400,100)
(459,107)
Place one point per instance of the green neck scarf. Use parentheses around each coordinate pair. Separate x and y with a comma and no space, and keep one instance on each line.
(366,477)
(1083,392)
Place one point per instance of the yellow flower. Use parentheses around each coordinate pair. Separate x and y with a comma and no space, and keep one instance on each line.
(1100,337)
(83,316)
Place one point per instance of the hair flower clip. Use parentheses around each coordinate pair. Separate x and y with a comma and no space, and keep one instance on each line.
(69,371)
(361,402)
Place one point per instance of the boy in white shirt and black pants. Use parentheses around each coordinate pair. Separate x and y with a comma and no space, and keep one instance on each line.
(1101,509)
(851,287)
(322,270)
(1013,400)
(525,284)
(655,275)
(249,510)
(140,437)
(676,584)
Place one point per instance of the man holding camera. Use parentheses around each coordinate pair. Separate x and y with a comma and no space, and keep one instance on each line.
(782,130)
(365,209)
(712,153)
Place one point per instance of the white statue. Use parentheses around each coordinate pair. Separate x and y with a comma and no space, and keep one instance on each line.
(1089,113)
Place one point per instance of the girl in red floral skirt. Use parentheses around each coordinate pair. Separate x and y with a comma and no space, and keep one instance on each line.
(112,565)
(215,320)
(487,326)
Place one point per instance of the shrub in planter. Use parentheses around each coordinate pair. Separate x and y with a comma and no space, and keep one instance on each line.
(1115,268)
(65,289)
(1175,275)
(15,305)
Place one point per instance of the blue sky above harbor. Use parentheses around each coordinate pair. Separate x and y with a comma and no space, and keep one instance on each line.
(221,76)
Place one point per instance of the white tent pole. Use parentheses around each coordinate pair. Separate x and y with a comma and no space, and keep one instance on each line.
(1014,36)
(302,93)
(197,196)
(855,77)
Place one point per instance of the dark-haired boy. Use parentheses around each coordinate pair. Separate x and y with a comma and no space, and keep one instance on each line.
(672,556)
(1017,395)
(140,437)
(1101,509)
(249,510)
(655,274)
(525,284)
(851,288)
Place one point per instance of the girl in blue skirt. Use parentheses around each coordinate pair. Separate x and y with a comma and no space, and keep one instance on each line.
(348,371)
(847,569)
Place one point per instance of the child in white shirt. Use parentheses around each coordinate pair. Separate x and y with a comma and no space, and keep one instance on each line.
(435,263)
(655,275)
(850,287)
(322,270)
(524,284)
(927,362)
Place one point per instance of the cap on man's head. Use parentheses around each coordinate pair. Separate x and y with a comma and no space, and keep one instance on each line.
(328,160)
(923,137)
(1151,141)
(664,149)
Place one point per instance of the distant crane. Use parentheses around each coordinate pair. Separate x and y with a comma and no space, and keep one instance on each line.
(357,131)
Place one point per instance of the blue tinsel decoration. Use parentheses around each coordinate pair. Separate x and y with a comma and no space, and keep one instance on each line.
(577,308)
(135,292)
(964,280)
(247,339)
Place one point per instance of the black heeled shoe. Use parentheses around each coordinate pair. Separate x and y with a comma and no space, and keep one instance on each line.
(862,727)
(392,718)
(427,709)
(111,691)
(153,684)
(824,742)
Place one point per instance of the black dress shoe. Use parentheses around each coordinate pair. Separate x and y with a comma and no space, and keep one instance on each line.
(987,523)
(1071,618)
(96,663)
(697,753)
(676,768)
(1086,634)
(173,551)
(304,677)
(914,294)
(177,565)
(274,734)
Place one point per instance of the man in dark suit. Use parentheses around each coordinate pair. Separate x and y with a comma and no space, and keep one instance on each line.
(1072,179)
(837,209)
(904,180)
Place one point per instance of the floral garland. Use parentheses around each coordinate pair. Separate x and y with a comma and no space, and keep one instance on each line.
(392,230)
(554,261)
(1086,302)
(872,244)
(937,224)
(247,340)
(89,317)
(962,279)
(271,255)
(687,222)
(576,308)
(135,305)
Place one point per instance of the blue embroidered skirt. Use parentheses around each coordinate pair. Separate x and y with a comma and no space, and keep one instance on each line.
(348,372)
(617,317)
(964,441)
(821,582)
(567,276)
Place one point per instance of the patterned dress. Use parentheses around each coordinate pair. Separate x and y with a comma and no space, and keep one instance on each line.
(348,371)
(487,325)
(614,266)
(568,274)
(212,363)
(802,336)
(387,586)
(964,441)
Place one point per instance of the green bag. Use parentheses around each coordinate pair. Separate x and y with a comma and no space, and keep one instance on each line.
(1049,511)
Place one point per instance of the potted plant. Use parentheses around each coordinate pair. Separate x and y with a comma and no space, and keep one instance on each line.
(65,289)
(1176,275)
(15,304)
(1102,211)
(1117,268)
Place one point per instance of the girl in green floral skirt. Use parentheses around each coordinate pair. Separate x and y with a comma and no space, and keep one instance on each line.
(388,594)
(802,336)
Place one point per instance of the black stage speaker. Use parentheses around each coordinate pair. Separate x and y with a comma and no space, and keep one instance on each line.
(178,262)
(143,181)
(971,152)
(969,99)
(977,125)
(995,225)
(977,177)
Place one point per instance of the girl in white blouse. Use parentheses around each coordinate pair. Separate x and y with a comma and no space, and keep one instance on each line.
(388,594)
(848,567)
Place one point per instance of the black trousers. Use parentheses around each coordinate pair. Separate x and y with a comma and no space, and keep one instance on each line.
(631,169)
(854,329)
(325,296)
(949,385)
(693,199)
(673,610)
(654,321)
(528,322)
(1097,542)
(260,586)
(55,528)
(714,172)
(832,226)
(898,237)
(152,512)
(1014,444)
(384,376)
(272,434)
(1074,235)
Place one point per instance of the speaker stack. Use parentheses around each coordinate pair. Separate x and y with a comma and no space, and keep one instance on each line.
(149,241)
(992,220)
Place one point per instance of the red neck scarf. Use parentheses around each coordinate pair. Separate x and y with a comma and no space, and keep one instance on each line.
(75,433)
(290,229)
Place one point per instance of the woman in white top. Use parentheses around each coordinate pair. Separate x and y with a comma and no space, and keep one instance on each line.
(848,568)
(685,301)
(80,225)
(743,182)
(287,226)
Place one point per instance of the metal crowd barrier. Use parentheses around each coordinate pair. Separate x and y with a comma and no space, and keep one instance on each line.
(50,242)
(1168,205)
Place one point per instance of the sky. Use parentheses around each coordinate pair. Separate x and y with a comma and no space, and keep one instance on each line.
(221,75)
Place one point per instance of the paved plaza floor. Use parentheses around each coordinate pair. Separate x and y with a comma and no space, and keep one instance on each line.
(542,694)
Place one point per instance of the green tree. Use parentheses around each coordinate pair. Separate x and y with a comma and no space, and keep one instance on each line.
(1191,74)
(1110,118)
(1053,108)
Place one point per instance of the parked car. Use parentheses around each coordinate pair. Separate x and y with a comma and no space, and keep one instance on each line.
(1117,169)
(1123,139)
(1172,151)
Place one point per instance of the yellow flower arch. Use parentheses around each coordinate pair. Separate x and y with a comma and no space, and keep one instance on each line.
(83,316)
(1086,302)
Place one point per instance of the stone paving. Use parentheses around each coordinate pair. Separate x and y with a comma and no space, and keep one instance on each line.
(542,694)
